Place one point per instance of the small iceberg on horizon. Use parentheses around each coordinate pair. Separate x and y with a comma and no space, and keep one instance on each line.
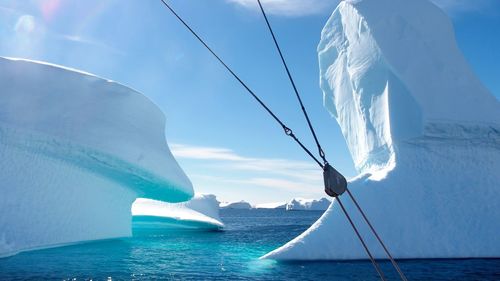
(240,205)
(272,205)
(302,204)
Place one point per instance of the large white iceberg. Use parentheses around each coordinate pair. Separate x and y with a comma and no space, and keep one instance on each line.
(423,132)
(199,213)
(75,152)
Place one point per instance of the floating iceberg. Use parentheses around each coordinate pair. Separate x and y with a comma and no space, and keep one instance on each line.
(301,204)
(423,132)
(201,213)
(243,205)
(274,205)
(75,152)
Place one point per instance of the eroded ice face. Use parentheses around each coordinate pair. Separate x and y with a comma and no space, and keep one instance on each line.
(388,70)
(91,123)
(362,92)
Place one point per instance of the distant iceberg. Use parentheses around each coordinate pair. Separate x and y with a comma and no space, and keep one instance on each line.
(243,205)
(274,205)
(75,152)
(199,213)
(301,204)
(423,132)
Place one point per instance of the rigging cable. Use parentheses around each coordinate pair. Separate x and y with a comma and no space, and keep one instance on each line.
(377,268)
(322,154)
(393,261)
(287,130)
(320,150)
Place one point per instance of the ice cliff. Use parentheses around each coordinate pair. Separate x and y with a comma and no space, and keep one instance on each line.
(75,152)
(422,130)
(199,213)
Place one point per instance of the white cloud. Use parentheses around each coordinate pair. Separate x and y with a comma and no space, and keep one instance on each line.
(285,184)
(284,174)
(312,7)
(293,8)
(200,152)
(92,43)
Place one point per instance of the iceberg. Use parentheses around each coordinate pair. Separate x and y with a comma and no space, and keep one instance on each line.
(298,204)
(273,205)
(199,213)
(243,205)
(423,132)
(76,150)
(301,204)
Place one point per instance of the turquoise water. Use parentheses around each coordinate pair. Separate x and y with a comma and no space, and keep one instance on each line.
(227,255)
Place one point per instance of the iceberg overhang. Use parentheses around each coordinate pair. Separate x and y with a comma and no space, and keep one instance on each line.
(76,151)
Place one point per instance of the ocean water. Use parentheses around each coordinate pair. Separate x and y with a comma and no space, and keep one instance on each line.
(231,254)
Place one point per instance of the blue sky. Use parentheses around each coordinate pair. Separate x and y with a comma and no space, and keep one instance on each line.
(224,141)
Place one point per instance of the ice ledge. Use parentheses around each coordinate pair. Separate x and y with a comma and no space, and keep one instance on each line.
(442,129)
(131,176)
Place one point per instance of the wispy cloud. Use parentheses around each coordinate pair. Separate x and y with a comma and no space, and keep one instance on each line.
(297,8)
(8,10)
(93,43)
(28,28)
(285,184)
(291,185)
(293,8)
(207,153)
(285,174)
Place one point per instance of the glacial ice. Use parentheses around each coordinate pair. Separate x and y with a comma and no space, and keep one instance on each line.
(273,205)
(423,132)
(296,204)
(201,213)
(302,204)
(243,205)
(75,152)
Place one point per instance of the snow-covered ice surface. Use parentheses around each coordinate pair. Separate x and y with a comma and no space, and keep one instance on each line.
(302,204)
(236,205)
(423,131)
(201,212)
(75,152)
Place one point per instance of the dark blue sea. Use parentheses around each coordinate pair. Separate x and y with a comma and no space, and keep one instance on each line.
(231,254)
